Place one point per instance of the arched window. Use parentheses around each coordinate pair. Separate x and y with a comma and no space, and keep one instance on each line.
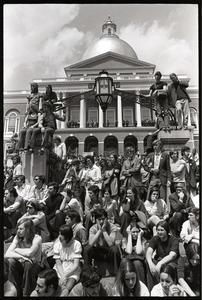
(12,122)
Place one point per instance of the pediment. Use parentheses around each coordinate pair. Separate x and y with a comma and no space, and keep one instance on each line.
(110,60)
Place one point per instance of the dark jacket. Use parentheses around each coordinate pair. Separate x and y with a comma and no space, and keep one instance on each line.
(178,206)
(164,174)
(172,94)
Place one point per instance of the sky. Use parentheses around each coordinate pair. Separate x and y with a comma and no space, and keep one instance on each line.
(40,40)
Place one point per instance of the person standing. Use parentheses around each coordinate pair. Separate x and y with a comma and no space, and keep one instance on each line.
(179,99)
(130,172)
(158,91)
(158,164)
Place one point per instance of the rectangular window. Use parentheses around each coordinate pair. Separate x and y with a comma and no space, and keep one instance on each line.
(110,116)
(92,115)
(128,115)
(145,113)
(75,115)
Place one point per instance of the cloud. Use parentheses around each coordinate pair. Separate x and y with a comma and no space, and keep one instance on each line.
(156,44)
(38,42)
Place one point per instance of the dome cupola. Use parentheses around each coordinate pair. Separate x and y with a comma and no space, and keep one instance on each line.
(109,41)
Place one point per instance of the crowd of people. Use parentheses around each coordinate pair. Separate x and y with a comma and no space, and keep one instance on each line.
(103,226)
(134,219)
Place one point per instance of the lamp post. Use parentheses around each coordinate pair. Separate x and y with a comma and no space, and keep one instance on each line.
(103,86)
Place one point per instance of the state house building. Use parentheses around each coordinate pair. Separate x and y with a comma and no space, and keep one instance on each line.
(128,123)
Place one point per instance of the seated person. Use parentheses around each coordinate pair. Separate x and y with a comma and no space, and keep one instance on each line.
(14,207)
(47,126)
(191,228)
(130,204)
(157,209)
(167,286)
(40,190)
(9,288)
(39,219)
(92,203)
(73,219)
(127,283)
(23,189)
(67,255)
(166,248)
(69,202)
(24,256)
(180,204)
(134,248)
(31,121)
(188,270)
(52,205)
(101,247)
(90,284)
(110,205)
(48,285)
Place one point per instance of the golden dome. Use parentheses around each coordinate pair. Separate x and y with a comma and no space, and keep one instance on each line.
(109,41)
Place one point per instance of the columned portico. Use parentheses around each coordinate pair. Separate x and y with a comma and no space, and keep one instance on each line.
(119,111)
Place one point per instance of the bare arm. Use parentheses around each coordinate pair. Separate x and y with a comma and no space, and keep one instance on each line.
(168,258)
(12,207)
(110,239)
(94,237)
(186,287)
(74,267)
(28,252)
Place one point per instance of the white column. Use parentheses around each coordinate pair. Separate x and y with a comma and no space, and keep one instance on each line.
(100,117)
(62,123)
(119,111)
(58,122)
(138,112)
(82,112)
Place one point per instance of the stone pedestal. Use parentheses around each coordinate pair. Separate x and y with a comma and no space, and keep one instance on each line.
(176,139)
(34,164)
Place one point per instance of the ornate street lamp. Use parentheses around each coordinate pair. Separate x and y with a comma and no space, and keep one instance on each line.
(103,86)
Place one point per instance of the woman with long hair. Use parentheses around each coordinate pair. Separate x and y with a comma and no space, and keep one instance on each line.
(134,248)
(110,205)
(129,206)
(39,219)
(127,282)
(24,256)
(167,285)
(189,270)
(157,209)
